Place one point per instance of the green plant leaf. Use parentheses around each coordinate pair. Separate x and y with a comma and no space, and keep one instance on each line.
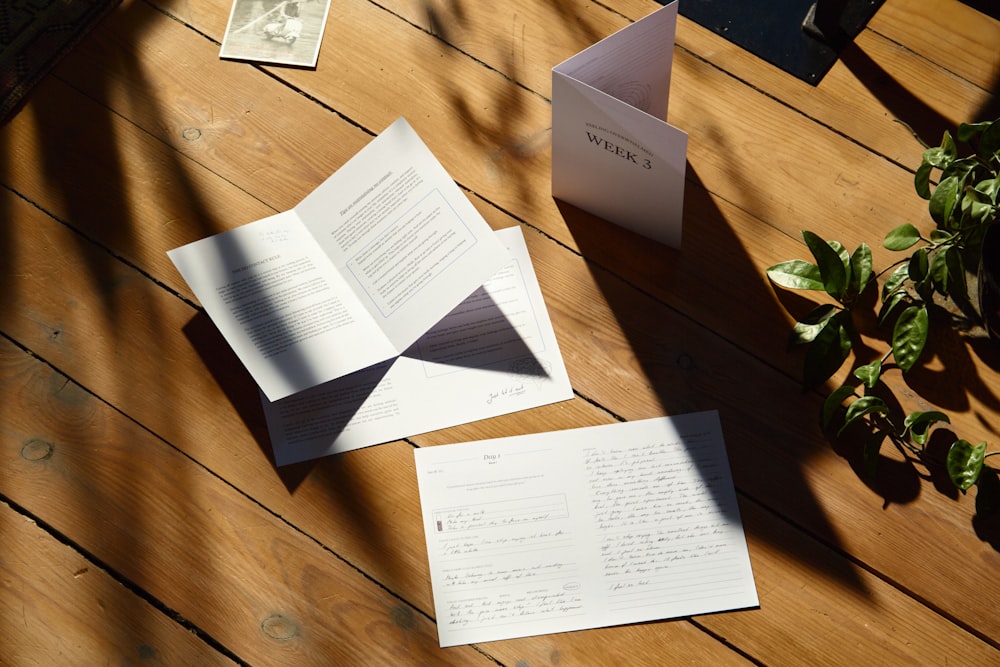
(941,156)
(976,206)
(833,402)
(922,180)
(796,274)
(943,201)
(889,306)
(865,405)
(940,236)
(939,270)
(919,266)
(831,266)
(806,329)
(828,350)
(902,237)
(960,169)
(845,257)
(967,131)
(956,271)
(869,373)
(964,463)
(895,281)
(989,187)
(919,424)
(989,142)
(909,336)
(861,268)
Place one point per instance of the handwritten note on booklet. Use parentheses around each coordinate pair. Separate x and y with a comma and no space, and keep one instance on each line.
(494,354)
(583,528)
(353,275)
(613,153)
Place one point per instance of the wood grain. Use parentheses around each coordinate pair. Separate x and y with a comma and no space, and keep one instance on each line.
(158,464)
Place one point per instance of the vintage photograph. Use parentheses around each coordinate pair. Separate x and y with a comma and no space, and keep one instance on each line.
(284,32)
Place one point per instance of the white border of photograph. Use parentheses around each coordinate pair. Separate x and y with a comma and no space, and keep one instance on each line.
(237,45)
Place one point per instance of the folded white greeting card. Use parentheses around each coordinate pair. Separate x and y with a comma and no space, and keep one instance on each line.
(613,153)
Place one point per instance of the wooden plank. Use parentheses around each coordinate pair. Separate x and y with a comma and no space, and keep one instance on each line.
(263,590)
(58,608)
(106,178)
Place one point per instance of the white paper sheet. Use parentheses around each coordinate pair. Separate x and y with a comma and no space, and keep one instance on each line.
(353,275)
(613,153)
(583,528)
(494,354)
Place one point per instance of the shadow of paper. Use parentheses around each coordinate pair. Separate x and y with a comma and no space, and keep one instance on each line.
(239,388)
(479,334)
(376,405)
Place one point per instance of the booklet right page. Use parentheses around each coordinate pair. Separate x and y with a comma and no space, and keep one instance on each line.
(583,528)
(613,153)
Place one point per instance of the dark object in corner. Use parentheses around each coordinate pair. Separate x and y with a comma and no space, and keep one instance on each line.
(34,36)
(801,37)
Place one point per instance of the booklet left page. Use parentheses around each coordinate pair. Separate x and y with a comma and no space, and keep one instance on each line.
(281,305)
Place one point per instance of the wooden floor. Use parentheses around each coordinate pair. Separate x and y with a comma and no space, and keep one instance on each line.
(141,518)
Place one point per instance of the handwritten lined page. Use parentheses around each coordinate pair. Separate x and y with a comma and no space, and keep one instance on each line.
(583,528)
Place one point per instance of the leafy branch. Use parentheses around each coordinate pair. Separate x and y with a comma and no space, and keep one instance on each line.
(963,205)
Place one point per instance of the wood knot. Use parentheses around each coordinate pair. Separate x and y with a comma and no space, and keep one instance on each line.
(191,134)
(402,617)
(279,627)
(37,449)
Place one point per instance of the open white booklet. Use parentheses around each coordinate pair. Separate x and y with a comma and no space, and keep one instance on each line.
(583,528)
(494,354)
(613,153)
(353,275)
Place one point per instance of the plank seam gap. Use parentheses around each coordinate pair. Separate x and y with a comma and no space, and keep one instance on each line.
(124,581)
(128,263)
(725,642)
